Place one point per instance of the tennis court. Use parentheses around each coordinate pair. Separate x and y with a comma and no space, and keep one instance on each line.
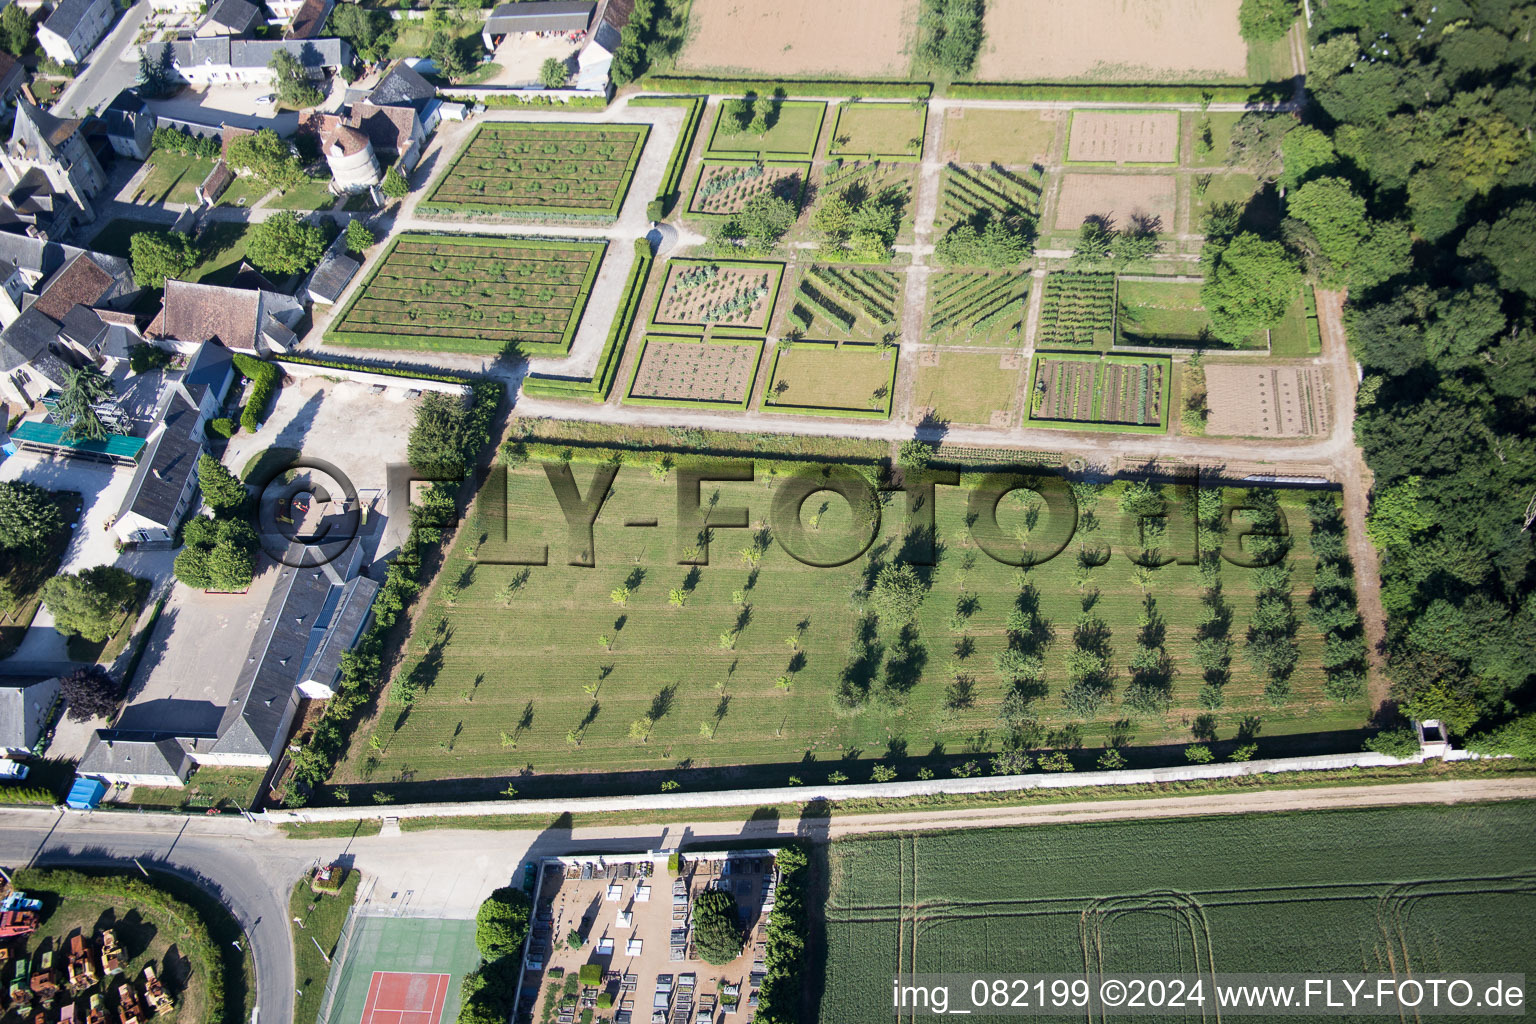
(401,970)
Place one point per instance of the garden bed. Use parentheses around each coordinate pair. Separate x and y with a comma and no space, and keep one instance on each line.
(793,130)
(468,293)
(1090,392)
(879,131)
(737,295)
(826,379)
(724,187)
(564,170)
(966,308)
(694,372)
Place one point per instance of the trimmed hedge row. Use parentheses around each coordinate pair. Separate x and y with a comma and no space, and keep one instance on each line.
(1272,92)
(608,360)
(513,101)
(265,377)
(386,370)
(787,934)
(790,86)
(516,452)
(671,181)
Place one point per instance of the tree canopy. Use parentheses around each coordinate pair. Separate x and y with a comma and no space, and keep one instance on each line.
(897,593)
(269,158)
(1248,285)
(28,516)
(284,244)
(89,693)
(716,935)
(217,554)
(370,30)
(1264,21)
(294,86)
(158,256)
(502,922)
(84,389)
(90,604)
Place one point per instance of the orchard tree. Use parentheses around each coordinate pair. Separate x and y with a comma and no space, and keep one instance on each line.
(89,693)
(158,256)
(1249,284)
(28,516)
(284,244)
(897,593)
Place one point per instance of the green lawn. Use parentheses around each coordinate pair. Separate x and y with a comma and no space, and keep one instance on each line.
(1167,313)
(172,178)
(978,135)
(222,243)
(879,129)
(229,789)
(1221,137)
(248,189)
(413,38)
(1271,62)
(830,377)
(966,387)
(320,917)
(1296,335)
(539,667)
(313,195)
(792,131)
(1361,890)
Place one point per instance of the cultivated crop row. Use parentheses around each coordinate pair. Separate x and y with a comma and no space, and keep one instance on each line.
(874,291)
(975,302)
(556,167)
(969,191)
(1076,306)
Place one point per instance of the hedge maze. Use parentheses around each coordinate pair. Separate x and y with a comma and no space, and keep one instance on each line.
(1077,309)
(845,302)
(977,308)
(969,193)
(469,293)
(551,170)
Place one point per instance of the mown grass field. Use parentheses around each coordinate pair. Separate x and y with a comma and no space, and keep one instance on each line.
(516,666)
(1292,892)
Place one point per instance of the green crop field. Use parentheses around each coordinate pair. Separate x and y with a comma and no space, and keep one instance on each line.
(977,308)
(570,170)
(843,303)
(514,666)
(969,192)
(1077,308)
(470,293)
(1420,890)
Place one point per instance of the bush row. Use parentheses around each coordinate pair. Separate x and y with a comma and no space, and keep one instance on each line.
(381,368)
(784,956)
(177,141)
(512,101)
(1273,92)
(608,360)
(362,668)
(515,452)
(265,377)
(789,86)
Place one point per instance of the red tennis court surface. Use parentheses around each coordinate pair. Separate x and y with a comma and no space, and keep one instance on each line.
(397,998)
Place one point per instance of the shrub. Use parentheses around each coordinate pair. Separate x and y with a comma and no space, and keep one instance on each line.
(143,357)
(716,934)
(1516,738)
(90,692)
(1198,753)
(604,1000)
(1399,743)
(502,922)
(654,210)
(264,377)
(223,427)
(591,974)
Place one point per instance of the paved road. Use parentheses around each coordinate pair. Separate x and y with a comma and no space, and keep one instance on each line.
(105,74)
(253,866)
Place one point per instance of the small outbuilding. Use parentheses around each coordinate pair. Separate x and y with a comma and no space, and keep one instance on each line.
(537,16)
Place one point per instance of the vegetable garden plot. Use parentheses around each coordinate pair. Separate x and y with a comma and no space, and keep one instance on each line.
(1104,393)
(724,188)
(892,182)
(1123,137)
(467,293)
(840,302)
(976,308)
(1076,309)
(968,191)
(701,293)
(568,169)
(672,371)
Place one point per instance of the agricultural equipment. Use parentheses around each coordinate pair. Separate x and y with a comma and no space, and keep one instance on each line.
(128,1006)
(154,992)
(111,953)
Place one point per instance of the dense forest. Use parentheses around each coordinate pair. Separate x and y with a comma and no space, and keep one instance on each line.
(1414,184)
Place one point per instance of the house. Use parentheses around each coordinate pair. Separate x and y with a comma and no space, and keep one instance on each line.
(215,184)
(402,87)
(160,495)
(31,265)
(309,19)
(595,60)
(397,133)
(350,155)
(228,18)
(26,706)
(12,77)
(222,59)
(536,16)
(56,147)
(314,616)
(74,28)
(244,319)
(33,208)
(130,125)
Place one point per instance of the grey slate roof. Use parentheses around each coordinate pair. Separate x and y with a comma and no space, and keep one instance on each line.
(402,87)
(541,16)
(33,254)
(257,53)
(167,463)
(81,325)
(68,15)
(297,607)
(210,369)
(123,112)
(26,340)
(235,15)
(113,753)
(24,707)
(339,625)
(332,276)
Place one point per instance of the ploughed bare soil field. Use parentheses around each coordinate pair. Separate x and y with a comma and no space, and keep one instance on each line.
(803,37)
(1111,40)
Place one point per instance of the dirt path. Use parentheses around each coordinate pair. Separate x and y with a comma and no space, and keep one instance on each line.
(915,299)
(1355,477)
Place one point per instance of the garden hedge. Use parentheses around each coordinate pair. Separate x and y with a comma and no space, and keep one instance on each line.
(612,354)
(385,369)
(671,180)
(265,377)
(513,101)
(790,86)
(1273,92)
